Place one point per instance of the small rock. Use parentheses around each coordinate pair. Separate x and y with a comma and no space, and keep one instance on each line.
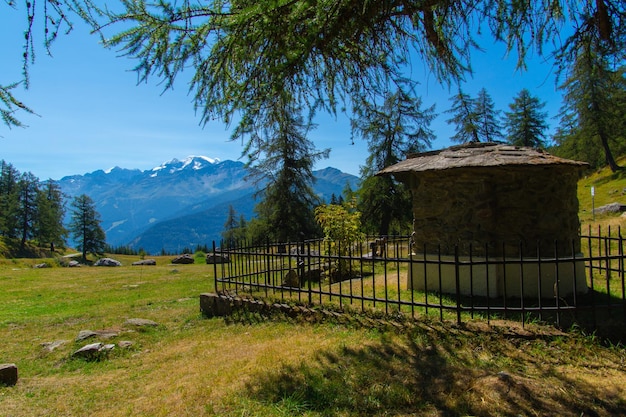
(145,262)
(89,351)
(107,262)
(85,334)
(183,259)
(51,346)
(125,344)
(73,264)
(41,265)
(8,374)
(141,322)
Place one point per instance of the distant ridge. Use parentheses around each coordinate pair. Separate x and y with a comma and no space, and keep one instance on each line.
(179,203)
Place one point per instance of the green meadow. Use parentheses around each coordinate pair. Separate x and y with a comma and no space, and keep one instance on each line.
(189,365)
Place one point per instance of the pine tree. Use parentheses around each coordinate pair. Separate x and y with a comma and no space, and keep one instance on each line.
(488,124)
(394,129)
(333,54)
(594,109)
(9,200)
(282,158)
(28,188)
(229,234)
(464,118)
(526,124)
(85,226)
(50,213)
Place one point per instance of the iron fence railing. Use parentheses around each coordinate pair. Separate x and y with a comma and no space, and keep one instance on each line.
(584,288)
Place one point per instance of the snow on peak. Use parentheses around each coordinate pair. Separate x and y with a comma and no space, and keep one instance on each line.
(195,162)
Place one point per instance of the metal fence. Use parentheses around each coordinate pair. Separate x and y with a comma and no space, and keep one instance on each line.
(585,288)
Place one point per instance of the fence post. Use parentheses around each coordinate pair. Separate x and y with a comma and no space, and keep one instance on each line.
(215,269)
(457,283)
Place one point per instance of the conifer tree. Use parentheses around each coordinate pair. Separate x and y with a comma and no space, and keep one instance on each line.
(9,200)
(85,226)
(28,188)
(49,228)
(464,118)
(594,109)
(488,123)
(282,159)
(393,129)
(526,124)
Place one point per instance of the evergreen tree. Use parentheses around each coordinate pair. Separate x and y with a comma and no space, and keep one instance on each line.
(464,118)
(85,226)
(526,124)
(326,52)
(229,234)
(594,109)
(9,200)
(488,124)
(28,189)
(394,129)
(50,213)
(282,157)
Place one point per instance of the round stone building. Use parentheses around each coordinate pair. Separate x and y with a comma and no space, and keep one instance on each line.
(493,200)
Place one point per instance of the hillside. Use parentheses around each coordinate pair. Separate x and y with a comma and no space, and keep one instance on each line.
(609,187)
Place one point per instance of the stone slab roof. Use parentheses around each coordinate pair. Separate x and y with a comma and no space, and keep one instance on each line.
(482,154)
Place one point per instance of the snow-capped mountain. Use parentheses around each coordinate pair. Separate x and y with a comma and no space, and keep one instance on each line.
(180,203)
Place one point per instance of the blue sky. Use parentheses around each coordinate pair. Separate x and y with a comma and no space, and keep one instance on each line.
(91,114)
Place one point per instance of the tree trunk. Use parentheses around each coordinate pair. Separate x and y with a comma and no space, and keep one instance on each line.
(607,152)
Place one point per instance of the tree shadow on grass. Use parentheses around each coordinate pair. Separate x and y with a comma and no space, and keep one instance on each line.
(442,373)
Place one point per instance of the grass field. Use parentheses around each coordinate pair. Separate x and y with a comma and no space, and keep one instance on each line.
(192,366)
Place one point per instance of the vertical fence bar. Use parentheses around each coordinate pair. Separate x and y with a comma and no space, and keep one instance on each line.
(504,283)
(440,292)
(397,256)
(471,279)
(539,281)
(385,286)
(557,285)
(521,281)
(425,282)
(621,274)
(487,264)
(215,267)
(607,275)
(457,283)
(409,278)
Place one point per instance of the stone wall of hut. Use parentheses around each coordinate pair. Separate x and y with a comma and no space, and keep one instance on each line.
(497,210)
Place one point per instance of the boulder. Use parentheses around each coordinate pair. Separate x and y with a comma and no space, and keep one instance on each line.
(183,259)
(291,279)
(217,258)
(89,351)
(8,374)
(107,262)
(610,208)
(145,262)
(73,264)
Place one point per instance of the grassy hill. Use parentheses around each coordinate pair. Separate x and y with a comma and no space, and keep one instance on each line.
(188,365)
(609,187)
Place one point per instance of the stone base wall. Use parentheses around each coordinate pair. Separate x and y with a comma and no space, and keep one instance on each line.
(499,207)
(534,279)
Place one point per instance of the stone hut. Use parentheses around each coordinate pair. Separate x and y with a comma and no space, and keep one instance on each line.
(491,199)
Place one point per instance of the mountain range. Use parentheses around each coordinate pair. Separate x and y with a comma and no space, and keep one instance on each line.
(180,203)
